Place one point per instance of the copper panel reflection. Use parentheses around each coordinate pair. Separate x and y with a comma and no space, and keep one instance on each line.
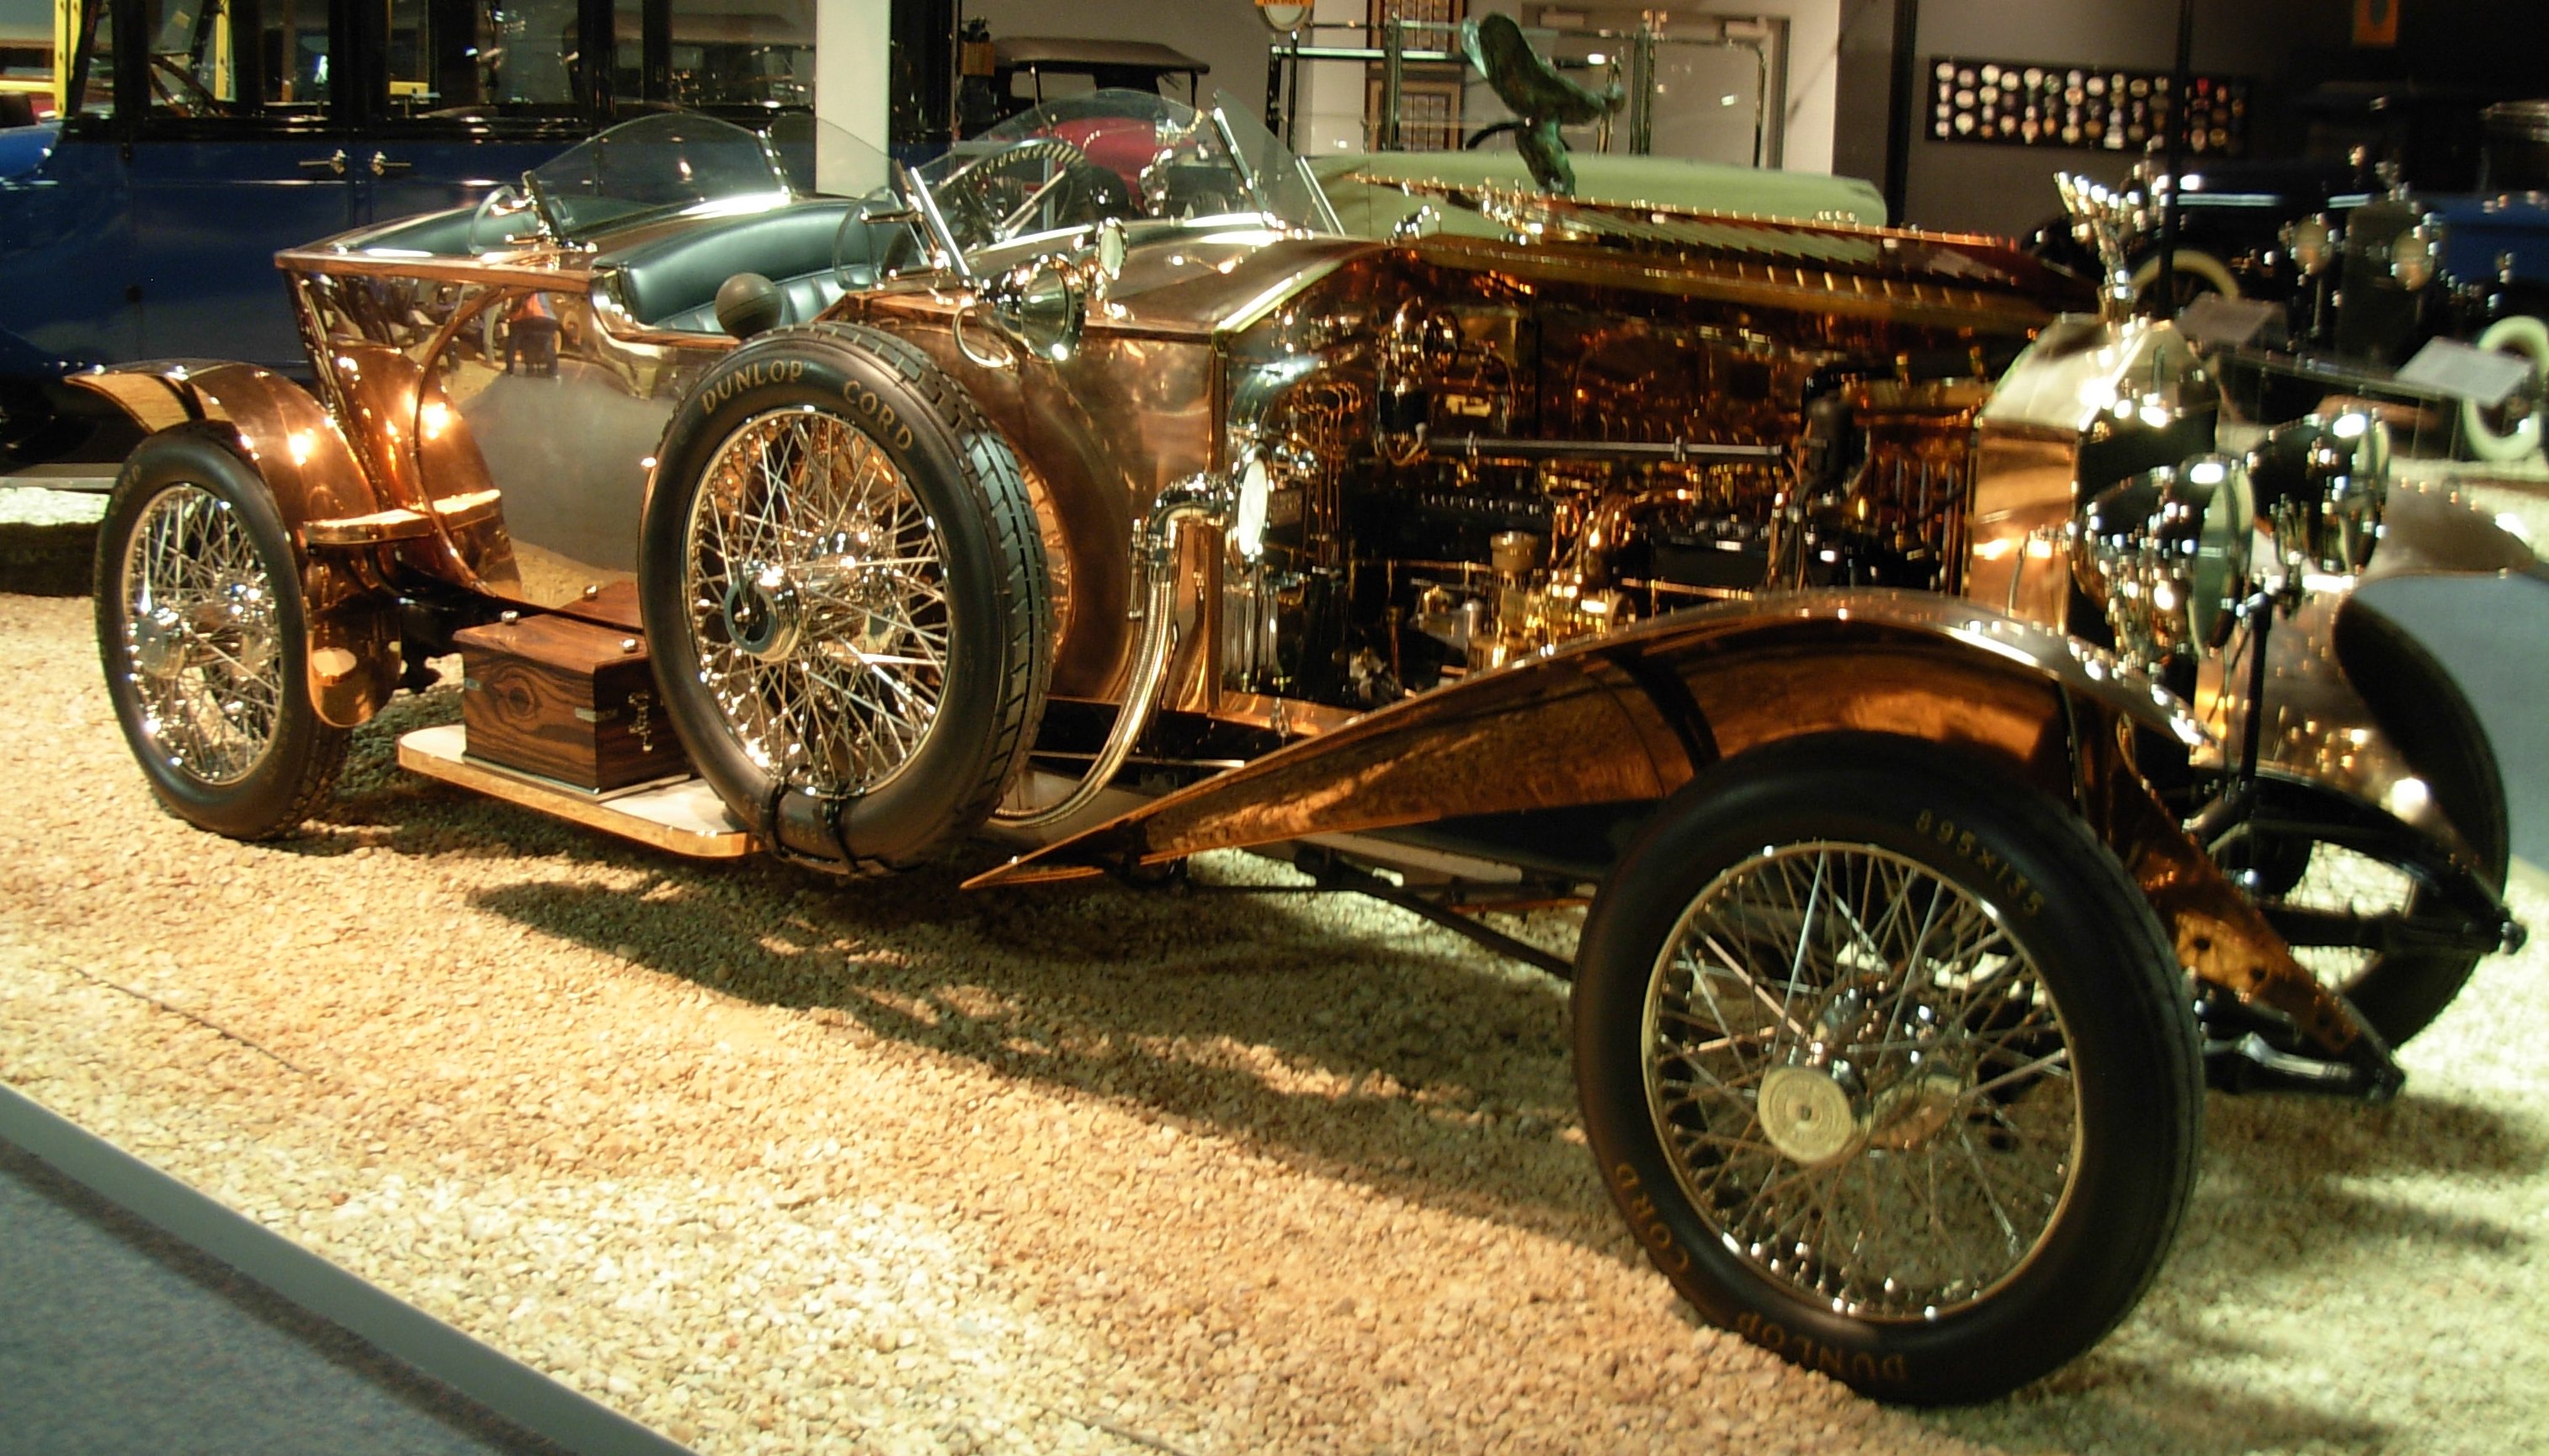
(1590,723)
(2024,489)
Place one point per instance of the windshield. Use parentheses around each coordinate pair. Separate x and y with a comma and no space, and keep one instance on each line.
(1130,155)
(676,164)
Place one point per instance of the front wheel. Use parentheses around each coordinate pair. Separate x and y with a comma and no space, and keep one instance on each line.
(1888,1066)
(205,640)
(846,597)
(2510,430)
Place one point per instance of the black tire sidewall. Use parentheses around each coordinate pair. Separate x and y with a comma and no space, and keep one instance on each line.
(931,799)
(271,797)
(2133,1047)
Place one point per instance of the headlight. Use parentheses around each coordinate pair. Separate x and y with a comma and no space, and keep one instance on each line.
(2320,484)
(2310,242)
(2166,553)
(2416,255)
(1247,519)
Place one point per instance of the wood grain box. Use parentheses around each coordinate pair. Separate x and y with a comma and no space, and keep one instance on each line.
(567,700)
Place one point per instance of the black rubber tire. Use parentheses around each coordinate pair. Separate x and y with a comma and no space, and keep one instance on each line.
(2103,960)
(2426,714)
(298,765)
(998,596)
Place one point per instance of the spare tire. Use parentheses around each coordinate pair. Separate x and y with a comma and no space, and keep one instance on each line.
(846,597)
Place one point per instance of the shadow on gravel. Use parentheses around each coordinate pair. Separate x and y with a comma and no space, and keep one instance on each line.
(2289,1199)
(2150,1410)
(1354,1041)
(1363,1046)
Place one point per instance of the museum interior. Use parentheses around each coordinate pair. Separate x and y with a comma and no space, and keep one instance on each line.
(1225,726)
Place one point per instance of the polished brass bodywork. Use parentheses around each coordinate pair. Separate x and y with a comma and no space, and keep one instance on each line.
(2090,401)
(303,458)
(1483,469)
(1630,717)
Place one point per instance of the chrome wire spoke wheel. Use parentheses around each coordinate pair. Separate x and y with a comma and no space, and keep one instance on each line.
(817,591)
(200,637)
(1861,1081)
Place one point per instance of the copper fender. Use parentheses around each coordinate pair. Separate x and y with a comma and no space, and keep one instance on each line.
(296,448)
(1631,716)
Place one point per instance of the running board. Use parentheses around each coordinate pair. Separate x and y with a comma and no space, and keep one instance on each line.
(682,816)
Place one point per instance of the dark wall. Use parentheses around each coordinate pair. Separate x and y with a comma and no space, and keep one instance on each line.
(2009,189)
(2460,50)
(1864,84)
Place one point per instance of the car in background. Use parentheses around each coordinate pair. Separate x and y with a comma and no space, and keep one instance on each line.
(197,141)
(2406,266)
(1030,70)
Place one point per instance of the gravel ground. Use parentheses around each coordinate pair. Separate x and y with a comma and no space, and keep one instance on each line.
(782,1165)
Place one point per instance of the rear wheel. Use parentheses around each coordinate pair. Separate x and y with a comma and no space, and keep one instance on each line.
(205,642)
(846,597)
(1888,1066)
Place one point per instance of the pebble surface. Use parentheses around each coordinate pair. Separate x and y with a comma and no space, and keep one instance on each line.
(777,1164)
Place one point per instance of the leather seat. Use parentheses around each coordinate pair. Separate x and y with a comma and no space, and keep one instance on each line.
(672,283)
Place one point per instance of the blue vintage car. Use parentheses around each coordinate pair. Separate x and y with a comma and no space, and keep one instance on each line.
(196,141)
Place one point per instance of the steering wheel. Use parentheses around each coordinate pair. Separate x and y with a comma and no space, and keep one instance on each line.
(179,93)
(994,197)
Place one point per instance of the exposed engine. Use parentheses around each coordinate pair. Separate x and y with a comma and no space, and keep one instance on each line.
(1456,485)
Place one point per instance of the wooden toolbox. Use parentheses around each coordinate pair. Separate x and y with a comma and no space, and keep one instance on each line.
(567,700)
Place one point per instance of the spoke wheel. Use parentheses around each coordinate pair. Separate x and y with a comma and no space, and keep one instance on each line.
(817,601)
(1863,1081)
(1888,1066)
(845,594)
(203,637)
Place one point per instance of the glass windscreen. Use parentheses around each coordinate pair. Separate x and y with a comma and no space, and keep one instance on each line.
(659,167)
(1130,155)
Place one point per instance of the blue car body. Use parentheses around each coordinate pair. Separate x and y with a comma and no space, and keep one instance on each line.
(198,141)
(22,148)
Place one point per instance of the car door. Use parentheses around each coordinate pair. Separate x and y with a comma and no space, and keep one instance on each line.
(236,151)
(66,236)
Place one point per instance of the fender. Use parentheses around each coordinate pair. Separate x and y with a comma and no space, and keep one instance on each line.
(296,448)
(2351,701)
(1631,716)
(2302,806)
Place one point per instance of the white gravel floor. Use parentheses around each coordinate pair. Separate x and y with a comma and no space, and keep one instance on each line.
(780,1165)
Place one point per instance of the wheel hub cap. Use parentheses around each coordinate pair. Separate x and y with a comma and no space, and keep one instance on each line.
(1808,1115)
(764,615)
(159,645)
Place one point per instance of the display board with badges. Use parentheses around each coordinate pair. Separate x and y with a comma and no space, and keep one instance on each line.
(2023,104)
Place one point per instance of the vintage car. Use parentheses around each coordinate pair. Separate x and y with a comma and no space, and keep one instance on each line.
(1086,490)
(2402,269)
(2364,281)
